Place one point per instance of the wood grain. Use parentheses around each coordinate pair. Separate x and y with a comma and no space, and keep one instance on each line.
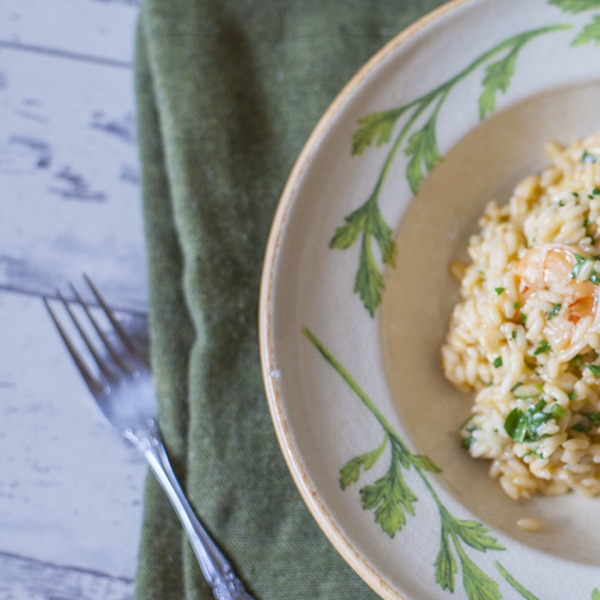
(28,579)
(70,202)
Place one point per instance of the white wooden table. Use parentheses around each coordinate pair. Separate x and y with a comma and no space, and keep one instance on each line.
(70,491)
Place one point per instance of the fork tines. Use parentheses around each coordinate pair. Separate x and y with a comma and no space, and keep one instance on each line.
(109,370)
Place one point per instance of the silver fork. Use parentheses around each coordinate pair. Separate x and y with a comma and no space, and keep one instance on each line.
(124,391)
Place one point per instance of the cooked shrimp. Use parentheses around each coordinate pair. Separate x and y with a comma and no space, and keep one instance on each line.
(551,267)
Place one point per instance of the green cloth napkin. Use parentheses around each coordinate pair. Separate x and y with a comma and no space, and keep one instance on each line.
(227,93)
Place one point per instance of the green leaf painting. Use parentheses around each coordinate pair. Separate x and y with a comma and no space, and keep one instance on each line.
(589,34)
(393,501)
(350,473)
(445,563)
(398,484)
(393,498)
(497,79)
(512,581)
(412,127)
(454,532)
(390,498)
(367,223)
(423,151)
(375,128)
(576,6)
(477,584)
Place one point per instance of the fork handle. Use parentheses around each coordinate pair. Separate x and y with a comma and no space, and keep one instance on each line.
(216,569)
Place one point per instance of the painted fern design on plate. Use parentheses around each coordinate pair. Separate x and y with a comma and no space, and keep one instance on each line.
(576,6)
(417,123)
(590,32)
(392,501)
(515,584)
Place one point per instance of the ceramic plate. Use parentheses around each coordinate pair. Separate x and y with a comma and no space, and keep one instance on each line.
(356,299)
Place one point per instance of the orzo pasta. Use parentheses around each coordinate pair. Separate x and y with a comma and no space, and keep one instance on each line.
(525,336)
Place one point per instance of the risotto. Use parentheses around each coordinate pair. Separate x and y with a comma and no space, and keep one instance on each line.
(525,336)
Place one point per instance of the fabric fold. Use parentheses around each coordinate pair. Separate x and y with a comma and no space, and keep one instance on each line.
(228,92)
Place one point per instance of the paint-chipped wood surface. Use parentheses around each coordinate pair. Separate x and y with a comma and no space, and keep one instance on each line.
(70,492)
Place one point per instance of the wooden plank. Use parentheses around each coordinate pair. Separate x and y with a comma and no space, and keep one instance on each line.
(26,579)
(71,490)
(69,175)
(91,30)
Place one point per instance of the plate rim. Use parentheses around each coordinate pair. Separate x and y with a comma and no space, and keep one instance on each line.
(288,448)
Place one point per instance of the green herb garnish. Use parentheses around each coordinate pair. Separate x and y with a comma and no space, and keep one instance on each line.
(594,417)
(499,290)
(468,427)
(543,347)
(595,369)
(576,361)
(581,427)
(554,311)
(579,262)
(523,427)
(497,362)
(586,157)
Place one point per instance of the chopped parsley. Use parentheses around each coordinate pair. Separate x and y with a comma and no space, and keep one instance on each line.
(572,396)
(596,191)
(497,362)
(586,157)
(542,348)
(576,361)
(561,203)
(595,369)
(523,427)
(575,194)
(523,318)
(499,290)
(582,427)
(579,262)
(554,311)
(594,417)
(534,452)
(588,422)
(468,427)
